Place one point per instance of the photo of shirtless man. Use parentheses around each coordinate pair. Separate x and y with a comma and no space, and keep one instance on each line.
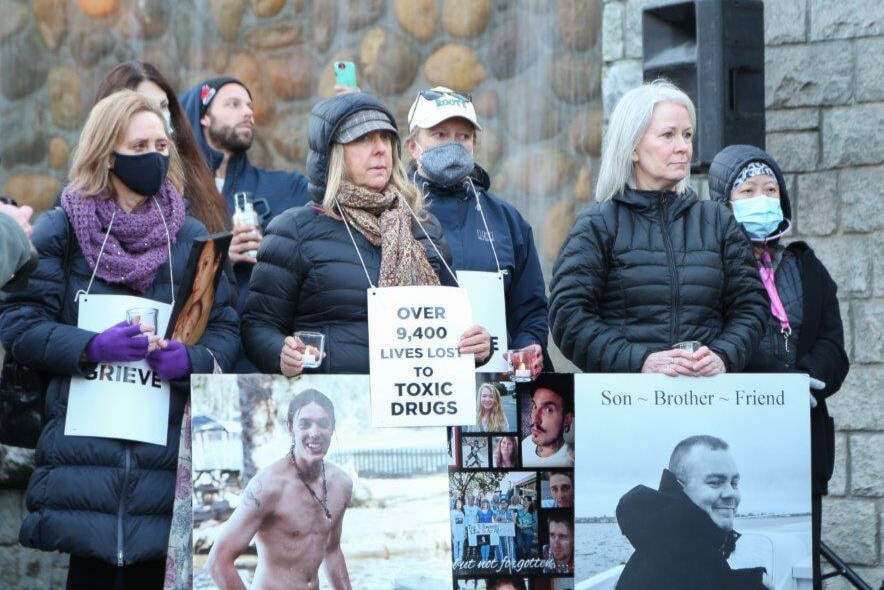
(294,508)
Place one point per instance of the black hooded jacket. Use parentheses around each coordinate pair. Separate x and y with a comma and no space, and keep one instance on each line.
(648,269)
(820,351)
(100,498)
(274,190)
(677,546)
(309,275)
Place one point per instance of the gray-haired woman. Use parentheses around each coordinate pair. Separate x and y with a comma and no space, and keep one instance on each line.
(650,265)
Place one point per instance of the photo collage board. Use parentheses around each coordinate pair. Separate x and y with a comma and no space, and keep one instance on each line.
(506,503)
(511,487)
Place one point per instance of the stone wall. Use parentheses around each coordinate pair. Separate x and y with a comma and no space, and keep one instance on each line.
(20,567)
(824,65)
(532,66)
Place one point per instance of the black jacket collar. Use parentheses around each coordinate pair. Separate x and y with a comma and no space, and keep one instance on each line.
(652,201)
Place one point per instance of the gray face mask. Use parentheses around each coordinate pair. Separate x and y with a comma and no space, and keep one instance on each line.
(447,164)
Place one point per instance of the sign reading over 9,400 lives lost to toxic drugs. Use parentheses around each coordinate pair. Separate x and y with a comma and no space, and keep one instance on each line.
(418,376)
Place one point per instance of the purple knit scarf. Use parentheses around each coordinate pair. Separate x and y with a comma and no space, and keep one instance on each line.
(137,245)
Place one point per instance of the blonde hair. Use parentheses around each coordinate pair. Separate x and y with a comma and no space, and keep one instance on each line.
(494,418)
(104,129)
(626,127)
(337,173)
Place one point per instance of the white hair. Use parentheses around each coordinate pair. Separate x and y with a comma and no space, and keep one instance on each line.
(626,127)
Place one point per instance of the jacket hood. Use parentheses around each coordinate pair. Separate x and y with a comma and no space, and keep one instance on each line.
(649,518)
(190,102)
(727,166)
(325,119)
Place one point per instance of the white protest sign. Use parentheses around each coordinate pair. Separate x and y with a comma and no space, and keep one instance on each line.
(418,377)
(756,429)
(485,290)
(119,400)
(502,529)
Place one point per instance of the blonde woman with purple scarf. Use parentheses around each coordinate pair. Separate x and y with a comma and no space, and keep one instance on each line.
(106,501)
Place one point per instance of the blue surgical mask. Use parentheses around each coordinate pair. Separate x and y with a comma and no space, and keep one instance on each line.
(446,164)
(760,215)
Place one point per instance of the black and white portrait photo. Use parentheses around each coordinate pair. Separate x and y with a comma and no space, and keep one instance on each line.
(690,484)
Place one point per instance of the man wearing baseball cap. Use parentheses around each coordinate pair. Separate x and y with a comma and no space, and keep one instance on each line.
(484,232)
(221,114)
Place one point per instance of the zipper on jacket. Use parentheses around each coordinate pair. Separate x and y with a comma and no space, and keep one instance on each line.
(670,258)
(122,508)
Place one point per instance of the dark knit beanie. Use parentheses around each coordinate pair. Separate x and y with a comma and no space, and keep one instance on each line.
(210,88)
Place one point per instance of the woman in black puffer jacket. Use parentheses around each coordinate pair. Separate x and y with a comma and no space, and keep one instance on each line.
(314,270)
(651,265)
(107,501)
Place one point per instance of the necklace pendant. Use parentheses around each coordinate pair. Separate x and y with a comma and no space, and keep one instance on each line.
(323,503)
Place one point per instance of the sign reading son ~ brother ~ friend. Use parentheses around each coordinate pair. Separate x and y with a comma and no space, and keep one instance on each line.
(418,376)
(693,483)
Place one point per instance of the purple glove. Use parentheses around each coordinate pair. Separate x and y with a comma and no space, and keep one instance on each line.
(171,362)
(119,343)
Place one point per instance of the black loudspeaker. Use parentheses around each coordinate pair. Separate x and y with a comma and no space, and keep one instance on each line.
(714,51)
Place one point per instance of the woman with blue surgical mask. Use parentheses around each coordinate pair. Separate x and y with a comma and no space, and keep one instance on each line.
(803,332)
(491,244)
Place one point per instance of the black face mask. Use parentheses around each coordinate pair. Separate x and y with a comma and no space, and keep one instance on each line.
(144,173)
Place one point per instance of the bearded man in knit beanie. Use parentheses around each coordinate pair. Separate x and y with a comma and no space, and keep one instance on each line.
(222,115)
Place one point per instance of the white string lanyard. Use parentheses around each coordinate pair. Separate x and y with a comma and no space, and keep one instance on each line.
(359,253)
(484,223)
(352,239)
(429,239)
(423,186)
(104,243)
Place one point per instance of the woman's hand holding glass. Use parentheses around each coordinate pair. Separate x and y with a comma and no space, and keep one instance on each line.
(674,362)
(531,356)
(670,362)
(120,343)
(475,340)
(707,363)
(291,357)
(170,360)
(146,319)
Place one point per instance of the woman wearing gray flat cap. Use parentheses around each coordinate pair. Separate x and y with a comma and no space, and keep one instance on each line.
(366,227)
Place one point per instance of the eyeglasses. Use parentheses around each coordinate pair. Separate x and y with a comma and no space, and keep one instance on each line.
(435,95)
